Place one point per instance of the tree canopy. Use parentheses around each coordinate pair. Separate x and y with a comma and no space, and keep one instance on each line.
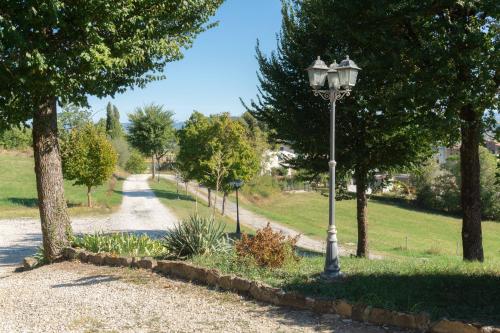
(215,151)
(88,158)
(72,50)
(377,130)
(151,131)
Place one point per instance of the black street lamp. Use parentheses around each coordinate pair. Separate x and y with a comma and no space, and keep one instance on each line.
(237,184)
(341,79)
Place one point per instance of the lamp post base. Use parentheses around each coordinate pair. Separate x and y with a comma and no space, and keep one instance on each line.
(332,276)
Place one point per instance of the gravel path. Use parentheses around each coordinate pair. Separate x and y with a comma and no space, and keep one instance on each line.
(140,212)
(74,297)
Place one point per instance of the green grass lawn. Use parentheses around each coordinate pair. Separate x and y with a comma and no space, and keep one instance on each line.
(429,234)
(18,196)
(443,287)
(183,205)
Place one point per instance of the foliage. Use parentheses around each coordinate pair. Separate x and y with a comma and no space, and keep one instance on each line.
(443,287)
(15,138)
(268,248)
(73,117)
(88,158)
(195,235)
(113,127)
(127,44)
(373,134)
(439,187)
(121,244)
(135,163)
(122,148)
(216,151)
(151,131)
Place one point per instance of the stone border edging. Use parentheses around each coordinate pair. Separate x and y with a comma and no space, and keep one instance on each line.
(265,293)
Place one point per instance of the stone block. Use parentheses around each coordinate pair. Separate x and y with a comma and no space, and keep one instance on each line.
(343,308)
(165,266)
(403,320)
(264,293)
(225,282)
(241,285)
(323,306)
(146,263)
(380,316)
(212,277)
(361,312)
(29,263)
(291,299)
(83,256)
(69,253)
(96,258)
(123,261)
(447,326)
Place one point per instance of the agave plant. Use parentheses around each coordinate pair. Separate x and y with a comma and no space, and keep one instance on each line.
(196,235)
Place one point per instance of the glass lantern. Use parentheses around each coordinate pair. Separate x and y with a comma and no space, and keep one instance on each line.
(348,73)
(318,72)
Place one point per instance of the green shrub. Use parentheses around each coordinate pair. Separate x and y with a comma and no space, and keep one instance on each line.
(121,244)
(15,138)
(268,248)
(135,163)
(122,148)
(196,235)
(261,187)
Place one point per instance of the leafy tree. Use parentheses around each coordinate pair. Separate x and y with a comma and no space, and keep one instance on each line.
(72,117)
(135,163)
(372,134)
(113,127)
(216,151)
(151,132)
(88,158)
(62,51)
(447,58)
(15,138)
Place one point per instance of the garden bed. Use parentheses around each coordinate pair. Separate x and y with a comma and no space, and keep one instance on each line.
(286,289)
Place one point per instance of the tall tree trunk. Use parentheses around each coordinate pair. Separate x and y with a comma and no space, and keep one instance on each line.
(209,197)
(362,217)
(224,196)
(153,166)
(56,225)
(472,239)
(158,160)
(89,196)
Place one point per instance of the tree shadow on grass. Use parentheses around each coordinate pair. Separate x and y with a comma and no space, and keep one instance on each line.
(169,195)
(33,203)
(454,296)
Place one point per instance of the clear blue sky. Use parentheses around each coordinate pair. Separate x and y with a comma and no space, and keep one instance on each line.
(219,68)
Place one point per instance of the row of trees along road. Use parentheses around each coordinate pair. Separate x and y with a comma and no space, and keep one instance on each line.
(430,75)
(50,54)
(216,151)
(152,132)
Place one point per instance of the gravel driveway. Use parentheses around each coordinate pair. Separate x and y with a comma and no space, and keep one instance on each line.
(74,297)
(140,212)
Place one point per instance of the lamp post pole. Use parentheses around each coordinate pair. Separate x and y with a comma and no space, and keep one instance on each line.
(237,184)
(238,230)
(341,79)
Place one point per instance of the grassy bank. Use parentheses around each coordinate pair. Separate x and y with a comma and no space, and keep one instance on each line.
(183,205)
(18,196)
(392,229)
(444,287)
